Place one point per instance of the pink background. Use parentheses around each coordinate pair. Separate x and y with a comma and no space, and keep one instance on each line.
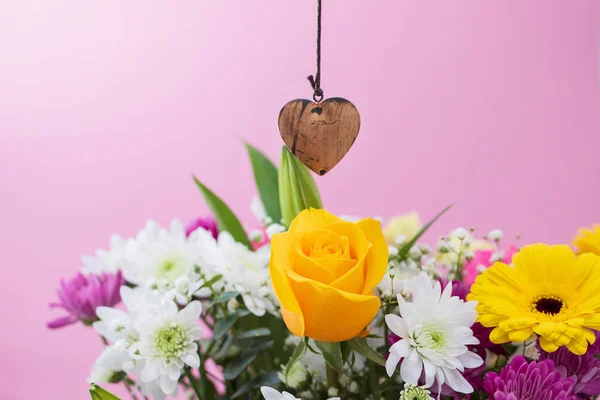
(106,107)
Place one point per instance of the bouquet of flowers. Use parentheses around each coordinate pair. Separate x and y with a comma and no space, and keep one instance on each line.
(314,306)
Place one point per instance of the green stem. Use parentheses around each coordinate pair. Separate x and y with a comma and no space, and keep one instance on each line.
(193,383)
(332,377)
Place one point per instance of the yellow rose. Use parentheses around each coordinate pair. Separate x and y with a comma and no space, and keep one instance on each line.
(407,225)
(324,270)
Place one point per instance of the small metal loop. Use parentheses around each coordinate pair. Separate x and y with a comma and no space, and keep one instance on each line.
(318,96)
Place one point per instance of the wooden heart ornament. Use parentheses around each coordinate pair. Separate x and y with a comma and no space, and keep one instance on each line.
(319,134)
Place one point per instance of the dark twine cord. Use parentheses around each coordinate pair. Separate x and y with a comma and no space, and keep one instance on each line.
(315,81)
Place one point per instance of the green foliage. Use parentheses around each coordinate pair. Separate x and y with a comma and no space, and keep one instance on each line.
(226,219)
(332,353)
(266,178)
(297,188)
(98,393)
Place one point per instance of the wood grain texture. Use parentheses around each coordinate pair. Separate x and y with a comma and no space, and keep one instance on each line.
(319,135)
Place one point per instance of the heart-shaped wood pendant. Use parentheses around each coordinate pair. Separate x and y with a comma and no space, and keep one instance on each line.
(319,134)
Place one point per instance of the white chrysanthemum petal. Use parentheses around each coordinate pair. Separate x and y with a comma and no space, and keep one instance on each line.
(396,325)
(457,382)
(411,368)
(470,360)
(391,363)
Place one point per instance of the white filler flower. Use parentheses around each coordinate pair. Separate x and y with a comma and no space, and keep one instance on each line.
(435,329)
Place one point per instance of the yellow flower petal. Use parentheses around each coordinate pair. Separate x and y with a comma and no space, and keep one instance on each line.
(377,258)
(331,315)
(280,263)
(312,218)
(548,346)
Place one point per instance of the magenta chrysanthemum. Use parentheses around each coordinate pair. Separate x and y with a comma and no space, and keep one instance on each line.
(520,380)
(81,295)
(207,223)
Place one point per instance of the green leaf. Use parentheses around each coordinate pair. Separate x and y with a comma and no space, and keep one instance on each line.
(224,297)
(254,333)
(297,355)
(226,219)
(268,379)
(346,350)
(361,346)
(211,281)
(98,393)
(405,249)
(238,365)
(297,188)
(332,354)
(266,177)
(223,326)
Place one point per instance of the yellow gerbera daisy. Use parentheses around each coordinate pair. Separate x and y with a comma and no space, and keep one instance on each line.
(588,240)
(550,291)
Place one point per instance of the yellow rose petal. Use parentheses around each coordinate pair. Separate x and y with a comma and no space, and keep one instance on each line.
(352,281)
(331,315)
(310,268)
(377,258)
(282,261)
(312,218)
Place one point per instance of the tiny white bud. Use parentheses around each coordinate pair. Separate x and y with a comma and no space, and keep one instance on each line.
(232,305)
(442,247)
(480,268)
(393,251)
(495,235)
(353,387)
(182,284)
(497,256)
(274,229)
(400,239)
(256,235)
(460,233)
(333,392)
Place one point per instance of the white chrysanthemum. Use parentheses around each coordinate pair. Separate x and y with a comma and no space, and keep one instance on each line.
(246,272)
(119,328)
(272,394)
(435,330)
(169,262)
(109,261)
(168,343)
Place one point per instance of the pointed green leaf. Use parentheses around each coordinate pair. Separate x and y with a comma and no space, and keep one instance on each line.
(223,325)
(361,346)
(226,219)
(236,366)
(253,333)
(297,355)
(266,177)
(297,188)
(225,296)
(332,354)
(98,393)
(405,249)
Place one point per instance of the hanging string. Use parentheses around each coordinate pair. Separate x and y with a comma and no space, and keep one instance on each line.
(315,81)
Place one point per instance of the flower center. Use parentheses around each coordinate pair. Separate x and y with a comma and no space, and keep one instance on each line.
(171,269)
(548,305)
(170,341)
(430,339)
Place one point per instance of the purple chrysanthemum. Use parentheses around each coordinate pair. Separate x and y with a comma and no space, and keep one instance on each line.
(207,223)
(585,369)
(520,380)
(81,295)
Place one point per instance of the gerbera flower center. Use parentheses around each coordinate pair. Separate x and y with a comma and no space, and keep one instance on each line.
(548,305)
(170,341)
